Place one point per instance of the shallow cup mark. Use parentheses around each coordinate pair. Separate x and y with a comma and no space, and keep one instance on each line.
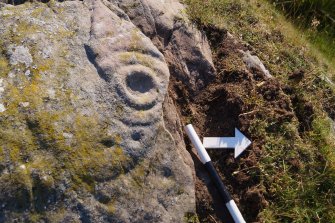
(139,81)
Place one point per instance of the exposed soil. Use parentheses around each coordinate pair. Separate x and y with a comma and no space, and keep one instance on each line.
(329,103)
(305,113)
(230,101)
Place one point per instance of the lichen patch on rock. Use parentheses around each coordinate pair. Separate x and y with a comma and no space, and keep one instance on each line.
(82,133)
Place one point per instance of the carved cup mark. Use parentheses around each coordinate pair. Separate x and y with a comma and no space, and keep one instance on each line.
(138,86)
(139,81)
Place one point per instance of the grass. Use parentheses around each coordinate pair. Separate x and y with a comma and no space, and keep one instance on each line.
(309,10)
(297,166)
(316,19)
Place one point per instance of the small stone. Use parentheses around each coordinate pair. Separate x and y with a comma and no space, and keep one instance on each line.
(24,104)
(67,135)
(2,89)
(11,75)
(27,73)
(327,79)
(52,93)
(46,52)
(230,35)
(254,62)
(22,167)
(2,108)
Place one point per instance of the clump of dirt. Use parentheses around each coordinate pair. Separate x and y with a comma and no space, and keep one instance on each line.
(236,98)
(304,112)
(215,35)
(254,197)
(296,164)
(297,75)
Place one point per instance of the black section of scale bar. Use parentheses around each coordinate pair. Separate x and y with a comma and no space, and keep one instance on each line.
(218,182)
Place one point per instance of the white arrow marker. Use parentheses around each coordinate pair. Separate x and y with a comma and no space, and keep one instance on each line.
(206,160)
(239,142)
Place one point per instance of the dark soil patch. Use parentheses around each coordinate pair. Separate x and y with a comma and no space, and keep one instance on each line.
(297,75)
(223,105)
(304,112)
(236,98)
(215,35)
(296,164)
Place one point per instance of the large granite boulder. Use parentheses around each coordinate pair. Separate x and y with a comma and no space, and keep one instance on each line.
(88,133)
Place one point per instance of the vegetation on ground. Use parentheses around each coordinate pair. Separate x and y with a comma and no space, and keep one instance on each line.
(297,168)
(316,19)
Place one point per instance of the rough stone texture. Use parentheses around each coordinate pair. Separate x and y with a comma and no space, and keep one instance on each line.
(82,135)
(135,72)
(185,48)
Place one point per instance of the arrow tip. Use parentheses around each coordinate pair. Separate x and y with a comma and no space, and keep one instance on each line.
(242,143)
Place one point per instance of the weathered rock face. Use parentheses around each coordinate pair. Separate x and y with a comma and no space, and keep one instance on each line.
(185,48)
(83,134)
(186,51)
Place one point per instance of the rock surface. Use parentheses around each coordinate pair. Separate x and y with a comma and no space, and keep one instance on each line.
(88,132)
(185,48)
(253,62)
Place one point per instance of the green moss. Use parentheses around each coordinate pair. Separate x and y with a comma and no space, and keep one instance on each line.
(14,154)
(136,57)
(110,207)
(58,215)
(126,56)
(22,175)
(24,28)
(34,135)
(35,217)
(191,217)
(135,42)
(37,12)
(65,33)
(86,158)
(138,175)
(44,65)
(2,155)
(4,67)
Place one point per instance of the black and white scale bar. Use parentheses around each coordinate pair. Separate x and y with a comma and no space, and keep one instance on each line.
(206,160)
